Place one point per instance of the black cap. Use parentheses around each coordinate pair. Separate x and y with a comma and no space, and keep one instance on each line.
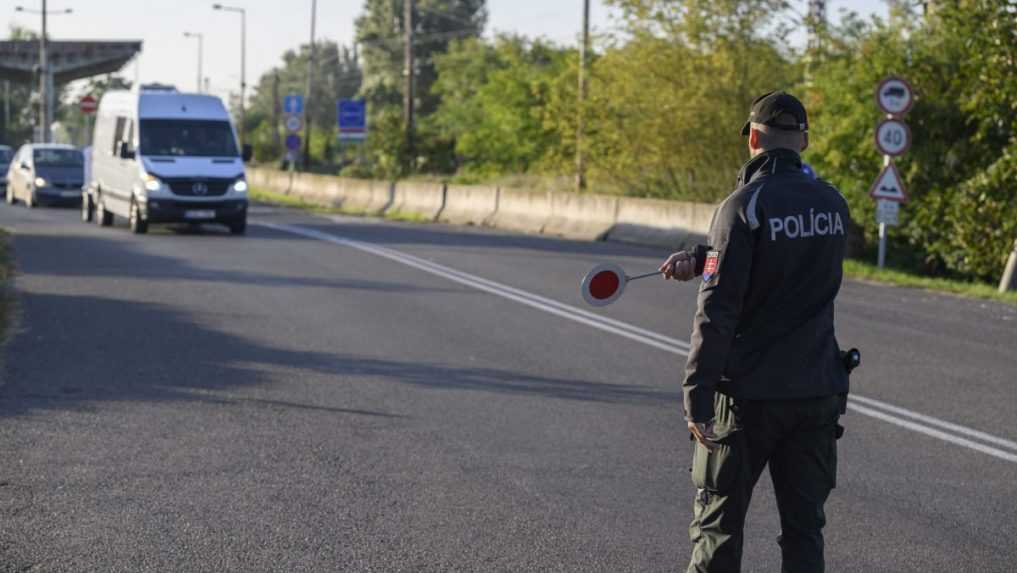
(767,108)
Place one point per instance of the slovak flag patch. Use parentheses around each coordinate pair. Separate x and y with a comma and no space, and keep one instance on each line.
(711,265)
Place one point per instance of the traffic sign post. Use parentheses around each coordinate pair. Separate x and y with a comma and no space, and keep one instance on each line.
(886,212)
(894,97)
(87,104)
(293,104)
(893,137)
(351,115)
(888,186)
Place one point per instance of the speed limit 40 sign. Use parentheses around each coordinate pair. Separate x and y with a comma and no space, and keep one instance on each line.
(893,137)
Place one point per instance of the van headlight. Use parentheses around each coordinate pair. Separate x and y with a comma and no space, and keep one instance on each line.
(152,182)
(40,182)
(240,186)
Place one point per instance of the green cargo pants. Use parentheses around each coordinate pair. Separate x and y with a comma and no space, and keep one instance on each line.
(798,439)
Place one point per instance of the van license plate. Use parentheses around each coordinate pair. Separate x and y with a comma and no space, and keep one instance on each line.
(200,214)
(69,193)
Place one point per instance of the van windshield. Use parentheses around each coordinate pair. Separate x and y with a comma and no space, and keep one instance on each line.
(187,137)
(58,157)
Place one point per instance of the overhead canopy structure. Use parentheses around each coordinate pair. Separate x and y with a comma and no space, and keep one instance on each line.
(67,60)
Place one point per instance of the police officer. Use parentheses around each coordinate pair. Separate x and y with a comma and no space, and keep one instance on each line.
(764,383)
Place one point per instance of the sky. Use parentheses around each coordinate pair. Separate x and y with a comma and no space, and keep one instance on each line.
(274,26)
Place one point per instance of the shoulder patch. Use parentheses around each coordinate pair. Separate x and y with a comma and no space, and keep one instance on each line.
(711,265)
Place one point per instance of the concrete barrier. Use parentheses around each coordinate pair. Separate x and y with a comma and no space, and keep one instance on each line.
(469,204)
(587,216)
(525,211)
(424,199)
(670,224)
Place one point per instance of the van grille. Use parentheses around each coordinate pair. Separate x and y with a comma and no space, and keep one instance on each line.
(212,187)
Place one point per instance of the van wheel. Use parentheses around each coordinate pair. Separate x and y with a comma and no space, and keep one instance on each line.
(239,227)
(86,208)
(139,226)
(102,217)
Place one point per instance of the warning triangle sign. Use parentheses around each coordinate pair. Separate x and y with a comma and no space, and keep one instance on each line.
(889,186)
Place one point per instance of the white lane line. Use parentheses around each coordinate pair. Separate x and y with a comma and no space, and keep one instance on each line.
(564,311)
(921,424)
(995,452)
(936,422)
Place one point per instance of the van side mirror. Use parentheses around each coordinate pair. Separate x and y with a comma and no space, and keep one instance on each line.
(247,153)
(125,151)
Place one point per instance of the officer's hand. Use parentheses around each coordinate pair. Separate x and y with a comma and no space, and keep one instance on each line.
(679,266)
(703,433)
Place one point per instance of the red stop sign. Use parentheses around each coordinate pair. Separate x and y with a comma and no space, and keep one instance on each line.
(87,104)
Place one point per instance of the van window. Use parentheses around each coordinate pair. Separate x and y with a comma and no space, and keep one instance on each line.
(187,137)
(118,134)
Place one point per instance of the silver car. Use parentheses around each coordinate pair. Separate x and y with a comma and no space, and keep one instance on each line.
(46,174)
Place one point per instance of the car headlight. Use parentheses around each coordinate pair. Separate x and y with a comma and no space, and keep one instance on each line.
(40,182)
(240,186)
(152,182)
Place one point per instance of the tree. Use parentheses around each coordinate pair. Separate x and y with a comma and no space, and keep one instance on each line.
(380,32)
(494,101)
(668,98)
(337,76)
(962,217)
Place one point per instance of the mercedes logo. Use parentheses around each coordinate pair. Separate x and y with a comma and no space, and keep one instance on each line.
(200,188)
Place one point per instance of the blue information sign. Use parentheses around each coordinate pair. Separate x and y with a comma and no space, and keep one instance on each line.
(352,118)
(293,104)
(293,142)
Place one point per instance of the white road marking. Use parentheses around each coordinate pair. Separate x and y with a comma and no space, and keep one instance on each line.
(918,422)
(995,452)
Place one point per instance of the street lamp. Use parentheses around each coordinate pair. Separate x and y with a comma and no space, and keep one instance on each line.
(201,41)
(45,76)
(243,61)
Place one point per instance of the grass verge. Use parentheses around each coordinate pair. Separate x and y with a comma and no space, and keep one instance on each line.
(284,200)
(867,271)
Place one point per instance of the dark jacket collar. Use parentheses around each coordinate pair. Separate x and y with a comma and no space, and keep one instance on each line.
(769,163)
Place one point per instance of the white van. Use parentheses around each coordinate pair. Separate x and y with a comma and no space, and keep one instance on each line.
(161,156)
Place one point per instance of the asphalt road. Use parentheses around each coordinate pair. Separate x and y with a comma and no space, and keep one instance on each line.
(335,394)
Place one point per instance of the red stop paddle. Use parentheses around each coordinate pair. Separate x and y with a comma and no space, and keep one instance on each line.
(606,283)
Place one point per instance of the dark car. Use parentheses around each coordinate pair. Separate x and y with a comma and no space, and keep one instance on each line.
(46,174)
(6,153)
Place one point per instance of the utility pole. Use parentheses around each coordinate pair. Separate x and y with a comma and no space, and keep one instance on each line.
(408,26)
(7,110)
(201,42)
(44,112)
(276,137)
(584,49)
(307,91)
(243,62)
(45,75)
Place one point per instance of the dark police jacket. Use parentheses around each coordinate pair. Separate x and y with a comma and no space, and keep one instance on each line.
(764,326)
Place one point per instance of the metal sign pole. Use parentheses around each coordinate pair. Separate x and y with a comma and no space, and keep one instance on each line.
(882,229)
